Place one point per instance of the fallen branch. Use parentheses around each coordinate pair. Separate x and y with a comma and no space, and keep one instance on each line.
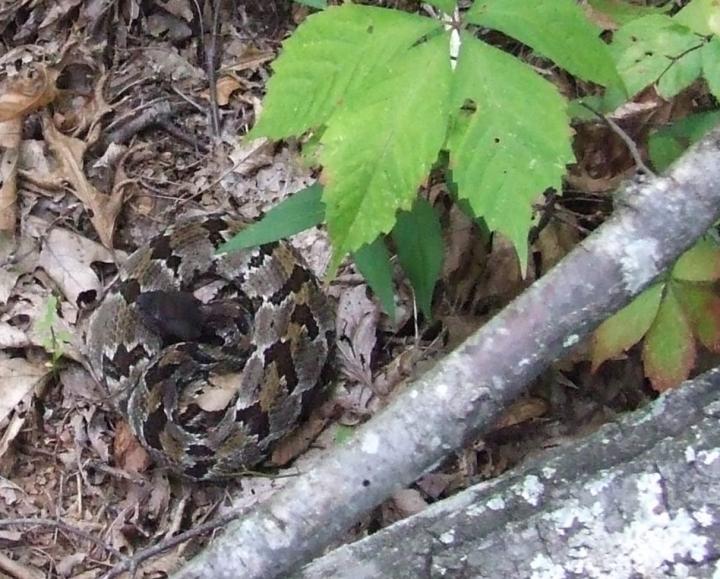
(636,498)
(465,392)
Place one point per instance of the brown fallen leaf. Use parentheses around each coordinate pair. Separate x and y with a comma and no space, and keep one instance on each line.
(356,323)
(409,502)
(129,454)
(29,93)
(168,26)
(30,321)
(398,370)
(18,98)
(180,8)
(10,137)
(299,440)
(435,484)
(18,569)
(459,327)
(555,242)
(67,257)
(250,58)
(522,411)
(504,279)
(67,564)
(57,10)
(20,379)
(11,337)
(103,208)
(81,105)
(225,87)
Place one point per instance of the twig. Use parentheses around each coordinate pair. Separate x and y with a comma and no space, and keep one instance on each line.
(133,114)
(131,563)
(154,115)
(18,570)
(674,59)
(629,143)
(547,209)
(181,135)
(60,525)
(214,183)
(117,473)
(188,100)
(211,54)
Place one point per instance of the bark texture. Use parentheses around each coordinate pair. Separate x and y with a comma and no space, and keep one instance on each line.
(465,392)
(637,498)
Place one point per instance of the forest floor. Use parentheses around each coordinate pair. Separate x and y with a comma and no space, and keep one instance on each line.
(120,138)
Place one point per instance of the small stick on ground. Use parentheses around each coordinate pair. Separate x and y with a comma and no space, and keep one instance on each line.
(157,115)
(629,143)
(212,50)
(62,526)
(181,135)
(18,570)
(131,563)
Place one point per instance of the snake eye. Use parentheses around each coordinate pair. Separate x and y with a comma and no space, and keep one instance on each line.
(225,323)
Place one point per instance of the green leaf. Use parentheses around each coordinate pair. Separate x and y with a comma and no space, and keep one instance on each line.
(373,262)
(318,4)
(611,99)
(576,110)
(667,144)
(700,263)
(54,339)
(669,348)
(701,16)
(512,147)
(557,29)
(655,48)
(418,239)
(44,324)
(627,327)
(447,6)
(331,56)
(298,212)
(711,65)
(380,147)
(702,306)
(622,12)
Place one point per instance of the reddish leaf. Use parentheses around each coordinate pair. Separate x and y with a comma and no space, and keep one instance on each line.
(702,307)
(129,454)
(627,327)
(669,349)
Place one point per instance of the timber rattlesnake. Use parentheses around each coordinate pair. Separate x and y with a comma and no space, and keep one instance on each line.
(212,359)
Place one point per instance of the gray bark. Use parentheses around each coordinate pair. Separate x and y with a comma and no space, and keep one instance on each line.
(637,498)
(465,392)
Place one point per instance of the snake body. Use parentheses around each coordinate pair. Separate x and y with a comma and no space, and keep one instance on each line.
(212,359)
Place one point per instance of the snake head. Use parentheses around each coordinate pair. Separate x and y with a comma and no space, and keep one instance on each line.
(174,315)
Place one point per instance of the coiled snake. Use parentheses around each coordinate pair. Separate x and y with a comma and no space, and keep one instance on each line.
(212,359)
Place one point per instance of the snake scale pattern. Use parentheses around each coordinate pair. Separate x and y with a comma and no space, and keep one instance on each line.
(212,359)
